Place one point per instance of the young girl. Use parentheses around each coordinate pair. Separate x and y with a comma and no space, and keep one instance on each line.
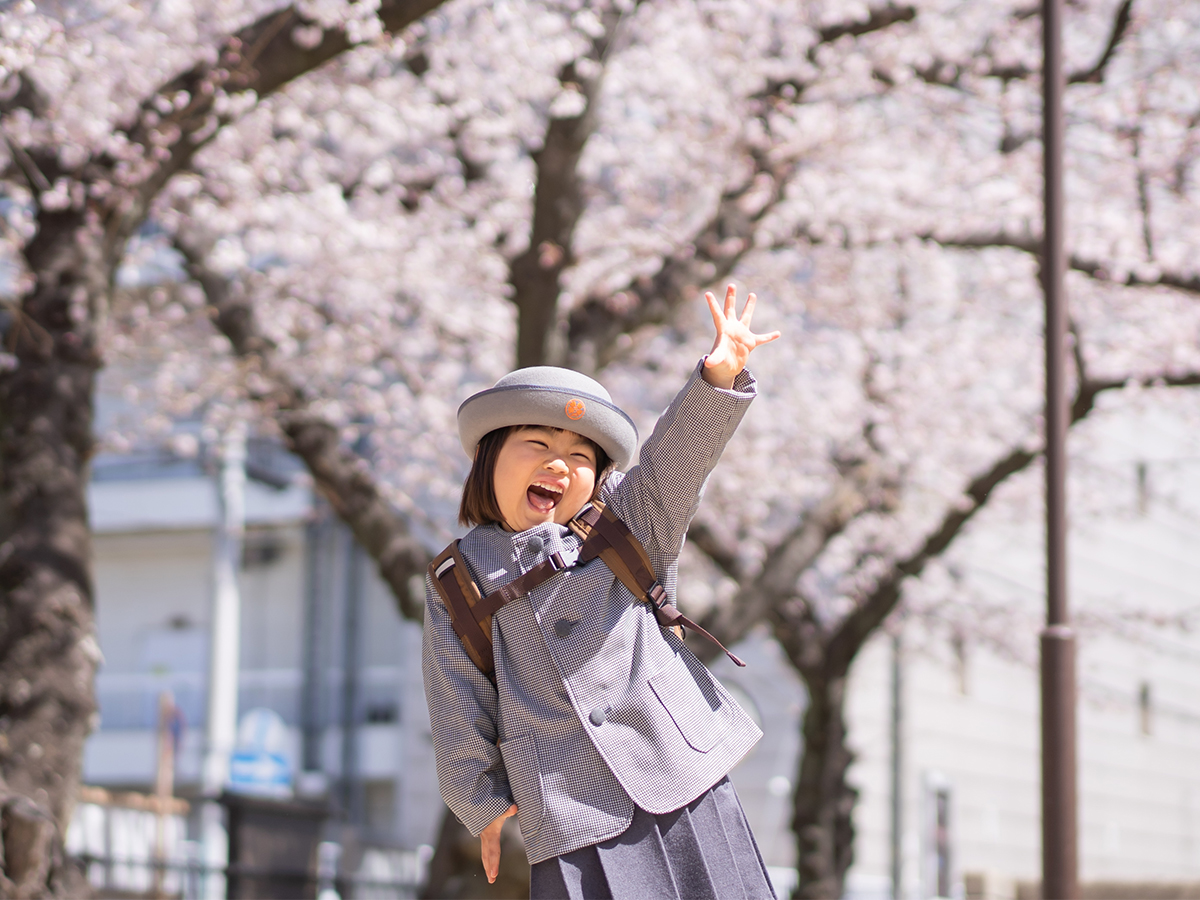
(602,732)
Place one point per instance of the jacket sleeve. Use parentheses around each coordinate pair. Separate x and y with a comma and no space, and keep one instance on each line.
(659,496)
(463,709)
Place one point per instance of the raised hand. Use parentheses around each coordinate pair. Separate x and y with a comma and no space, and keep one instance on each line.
(489,844)
(734,341)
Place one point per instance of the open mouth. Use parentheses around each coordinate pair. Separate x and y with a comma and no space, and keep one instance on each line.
(543,497)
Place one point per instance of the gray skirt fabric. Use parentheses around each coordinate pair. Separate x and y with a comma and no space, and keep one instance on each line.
(705,850)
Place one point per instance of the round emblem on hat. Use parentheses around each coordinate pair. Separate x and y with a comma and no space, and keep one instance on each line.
(575,409)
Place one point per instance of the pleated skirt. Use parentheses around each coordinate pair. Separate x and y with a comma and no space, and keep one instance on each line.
(704,851)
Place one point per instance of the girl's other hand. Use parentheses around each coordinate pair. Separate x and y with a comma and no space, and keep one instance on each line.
(734,340)
(489,844)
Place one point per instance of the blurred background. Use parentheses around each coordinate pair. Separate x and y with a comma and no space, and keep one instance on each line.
(253,256)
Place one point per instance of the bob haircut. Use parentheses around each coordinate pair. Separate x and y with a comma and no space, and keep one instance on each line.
(479,506)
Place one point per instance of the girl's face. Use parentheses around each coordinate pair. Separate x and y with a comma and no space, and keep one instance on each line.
(543,475)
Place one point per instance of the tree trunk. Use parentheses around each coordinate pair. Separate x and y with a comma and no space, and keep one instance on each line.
(48,654)
(823,801)
(558,204)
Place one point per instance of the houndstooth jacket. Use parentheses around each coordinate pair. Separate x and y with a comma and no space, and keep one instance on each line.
(595,707)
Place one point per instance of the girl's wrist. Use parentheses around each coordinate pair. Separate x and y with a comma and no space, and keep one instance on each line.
(719,376)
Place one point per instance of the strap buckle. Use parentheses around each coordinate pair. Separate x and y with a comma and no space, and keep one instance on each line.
(556,561)
(658,595)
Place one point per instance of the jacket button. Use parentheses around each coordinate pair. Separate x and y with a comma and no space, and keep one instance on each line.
(598,715)
(564,627)
(535,544)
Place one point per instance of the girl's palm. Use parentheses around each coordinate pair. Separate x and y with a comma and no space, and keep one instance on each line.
(735,340)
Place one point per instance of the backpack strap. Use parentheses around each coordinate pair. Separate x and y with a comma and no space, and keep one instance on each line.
(470,612)
(608,537)
(461,597)
(603,534)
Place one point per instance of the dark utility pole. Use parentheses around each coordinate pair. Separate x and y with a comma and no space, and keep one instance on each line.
(897,737)
(352,789)
(1059,843)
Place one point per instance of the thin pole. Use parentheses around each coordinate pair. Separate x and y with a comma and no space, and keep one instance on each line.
(164,788)
(1059,836)
(351,663)
(316,542)
(224,650)
(897,773)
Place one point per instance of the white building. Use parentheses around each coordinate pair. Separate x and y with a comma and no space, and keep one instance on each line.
(302,582)
(969,739)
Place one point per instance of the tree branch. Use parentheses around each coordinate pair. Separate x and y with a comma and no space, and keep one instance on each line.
(949,73)
(1032,244)
(721,552)
(1095,75)
(19,91)
(180,117)
(594,325)
(860,489)
(341,475)
(558,201)
(875,607)
(878,18)
(802,638)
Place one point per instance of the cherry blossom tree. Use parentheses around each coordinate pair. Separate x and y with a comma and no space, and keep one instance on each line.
(524,182)
(89,144)
(888,197)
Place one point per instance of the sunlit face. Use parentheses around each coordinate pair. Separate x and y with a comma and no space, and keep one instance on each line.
(543,475)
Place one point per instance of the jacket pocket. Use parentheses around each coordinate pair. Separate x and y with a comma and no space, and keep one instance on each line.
(520,757)
(698,711)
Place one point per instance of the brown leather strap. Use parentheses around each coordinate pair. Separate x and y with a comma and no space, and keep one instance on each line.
(448,572)
(602,531)
(614,536)
(470,613)
(670,617)
(520,586)
(618,536)
(604,535)
(583,523)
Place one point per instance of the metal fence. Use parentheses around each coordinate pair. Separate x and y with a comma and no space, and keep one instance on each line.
(384,874)
(128,848)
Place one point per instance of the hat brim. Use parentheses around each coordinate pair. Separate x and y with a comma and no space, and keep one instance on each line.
(594,417)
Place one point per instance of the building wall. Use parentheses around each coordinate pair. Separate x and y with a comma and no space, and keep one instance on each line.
(971,711)
(149,583)
(153,558)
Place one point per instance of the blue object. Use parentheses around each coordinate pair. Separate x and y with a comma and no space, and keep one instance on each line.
(259,763)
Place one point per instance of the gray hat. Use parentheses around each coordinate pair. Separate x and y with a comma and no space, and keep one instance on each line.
(558,398)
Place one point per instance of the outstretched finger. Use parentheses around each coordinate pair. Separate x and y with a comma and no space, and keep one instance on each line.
(748,312)
(730,302)
(718,316)
(760,339)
